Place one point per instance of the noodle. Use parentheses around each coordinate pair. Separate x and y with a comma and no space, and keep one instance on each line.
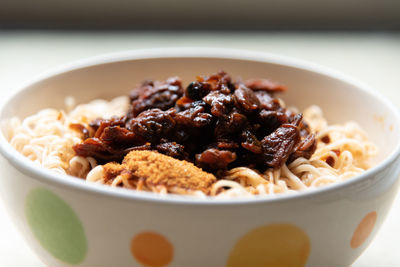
(46,138)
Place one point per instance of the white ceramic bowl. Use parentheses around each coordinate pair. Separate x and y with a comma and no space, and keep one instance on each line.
(68,222)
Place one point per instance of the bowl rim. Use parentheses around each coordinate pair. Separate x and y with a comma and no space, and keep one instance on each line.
(35,171)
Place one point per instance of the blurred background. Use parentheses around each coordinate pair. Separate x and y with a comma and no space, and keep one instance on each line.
(203,15)
(360,38)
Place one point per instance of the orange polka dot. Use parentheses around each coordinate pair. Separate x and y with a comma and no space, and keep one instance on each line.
(363,230)
(275,245)
(152,249)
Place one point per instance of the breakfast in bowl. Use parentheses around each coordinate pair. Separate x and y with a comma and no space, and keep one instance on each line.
(102,166)
(214,137)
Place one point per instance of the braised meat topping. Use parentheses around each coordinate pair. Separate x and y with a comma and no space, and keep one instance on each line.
(162,95)
(215,123)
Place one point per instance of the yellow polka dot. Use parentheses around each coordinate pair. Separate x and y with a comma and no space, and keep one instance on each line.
(363,230)
(275,245)
(152,249)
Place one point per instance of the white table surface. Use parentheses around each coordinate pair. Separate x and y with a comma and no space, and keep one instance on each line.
(373,58)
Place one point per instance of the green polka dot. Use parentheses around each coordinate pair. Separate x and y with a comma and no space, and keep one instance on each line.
(56,226)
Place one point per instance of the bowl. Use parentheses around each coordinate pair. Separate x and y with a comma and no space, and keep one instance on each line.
(69,222)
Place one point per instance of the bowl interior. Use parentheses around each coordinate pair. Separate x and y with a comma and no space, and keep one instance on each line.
(339,99)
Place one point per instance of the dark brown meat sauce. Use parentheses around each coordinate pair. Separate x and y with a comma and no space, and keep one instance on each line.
(214,122)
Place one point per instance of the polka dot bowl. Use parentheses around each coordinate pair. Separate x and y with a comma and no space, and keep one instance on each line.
(68,222)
